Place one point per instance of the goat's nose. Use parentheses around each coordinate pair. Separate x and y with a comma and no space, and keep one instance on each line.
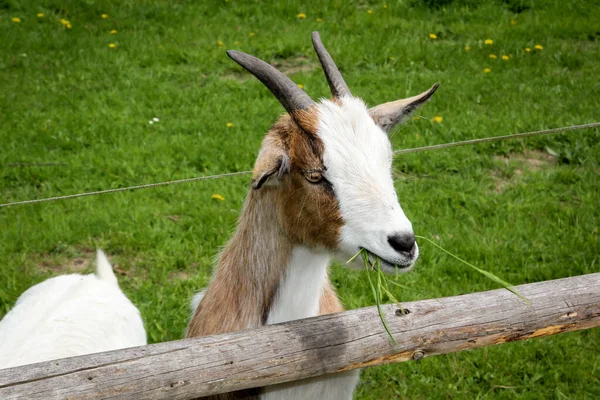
(402,243)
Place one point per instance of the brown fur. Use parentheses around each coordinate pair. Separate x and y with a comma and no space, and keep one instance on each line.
(275,218)
(307,119)
(309,212)
(329,302)
(247,274)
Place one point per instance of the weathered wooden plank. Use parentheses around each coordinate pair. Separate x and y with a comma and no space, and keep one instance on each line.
(300,349)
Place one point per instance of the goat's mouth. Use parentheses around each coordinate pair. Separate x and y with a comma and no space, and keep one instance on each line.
(389,266)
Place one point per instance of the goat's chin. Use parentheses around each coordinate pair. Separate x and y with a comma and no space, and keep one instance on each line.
(390,268)
(386,266)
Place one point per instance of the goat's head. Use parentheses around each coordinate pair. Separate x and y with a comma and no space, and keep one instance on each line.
(328,165)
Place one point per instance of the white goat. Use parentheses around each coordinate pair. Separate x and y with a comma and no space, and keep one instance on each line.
(322,186)
(70,315)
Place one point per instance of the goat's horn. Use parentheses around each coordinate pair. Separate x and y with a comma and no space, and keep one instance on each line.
(332,73)
(290,96)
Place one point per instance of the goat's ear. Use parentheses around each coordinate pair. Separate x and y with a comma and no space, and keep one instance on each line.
(388,115)
(271,165)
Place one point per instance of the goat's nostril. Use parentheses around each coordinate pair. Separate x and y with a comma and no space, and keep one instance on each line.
(402,243)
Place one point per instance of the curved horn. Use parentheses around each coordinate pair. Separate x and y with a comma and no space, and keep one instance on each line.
(332,73)
(290,96)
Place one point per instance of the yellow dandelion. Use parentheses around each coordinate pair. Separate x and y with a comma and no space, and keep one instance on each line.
(488,41)
(301,86)
(385,6)
(513,22)
(493,56)
(104,16)
(40,15)
(219,43)
(527,49)
(319,19)
(538,47)
(16,19)
(487,70)
(229,124)
(252,34)
(505,58)
(112,45)
(63,21)
(68,25)
(438,119)
(369,11)
(467,48)
(432,36)
(217,196)
(301,16)
(113,32)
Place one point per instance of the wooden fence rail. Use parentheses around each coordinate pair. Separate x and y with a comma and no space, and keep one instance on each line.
(186,369)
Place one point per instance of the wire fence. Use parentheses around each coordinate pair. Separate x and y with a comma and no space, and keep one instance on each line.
(231,174)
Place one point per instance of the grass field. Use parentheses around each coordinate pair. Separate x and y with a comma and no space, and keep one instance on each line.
(525,210)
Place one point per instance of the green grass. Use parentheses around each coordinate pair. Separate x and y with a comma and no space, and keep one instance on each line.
(67,97)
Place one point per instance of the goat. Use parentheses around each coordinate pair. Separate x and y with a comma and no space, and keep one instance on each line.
(70,315)
(321,187)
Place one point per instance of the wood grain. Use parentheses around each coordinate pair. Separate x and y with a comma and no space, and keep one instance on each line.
(326,344)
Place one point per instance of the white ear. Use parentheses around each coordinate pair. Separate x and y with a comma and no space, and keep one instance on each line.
(271,165)
(388,115)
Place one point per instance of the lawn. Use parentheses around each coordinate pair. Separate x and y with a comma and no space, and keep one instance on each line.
(81,93)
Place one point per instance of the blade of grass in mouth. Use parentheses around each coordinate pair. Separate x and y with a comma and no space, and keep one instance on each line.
(485,273)
(376,291)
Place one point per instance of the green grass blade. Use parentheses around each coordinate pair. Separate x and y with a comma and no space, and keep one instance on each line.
(376,294)
(388,280)
(379,299)
(487,274)
(354,256)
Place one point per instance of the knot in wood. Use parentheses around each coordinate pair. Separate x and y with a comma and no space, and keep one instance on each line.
(402,311)
(417,355)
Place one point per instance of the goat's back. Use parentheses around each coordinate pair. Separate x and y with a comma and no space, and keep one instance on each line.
(66,316)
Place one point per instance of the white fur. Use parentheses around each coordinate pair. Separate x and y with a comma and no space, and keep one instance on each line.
(358,158)
(301,286)
(70,315)
(104,270)
(196,301)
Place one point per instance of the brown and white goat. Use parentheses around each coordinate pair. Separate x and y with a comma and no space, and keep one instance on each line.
(321,186)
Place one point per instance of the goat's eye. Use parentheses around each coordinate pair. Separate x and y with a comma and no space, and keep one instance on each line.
(314,176)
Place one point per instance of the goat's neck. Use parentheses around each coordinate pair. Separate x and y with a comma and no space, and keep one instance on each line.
(301,286)
(261,276)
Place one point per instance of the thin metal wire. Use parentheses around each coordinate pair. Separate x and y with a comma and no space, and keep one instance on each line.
(404,151)
(497,138)
(149,185)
